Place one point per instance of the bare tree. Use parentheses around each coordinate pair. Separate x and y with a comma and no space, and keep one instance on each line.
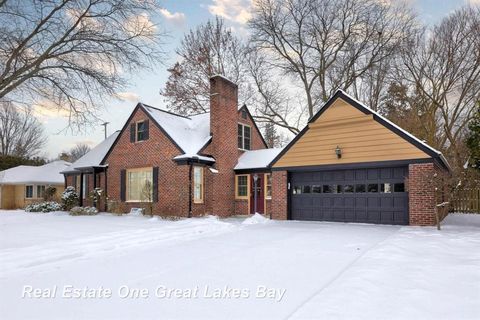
(70,55)
(21,134)
(78,151)
(442,66)
(209,49)
(330,44)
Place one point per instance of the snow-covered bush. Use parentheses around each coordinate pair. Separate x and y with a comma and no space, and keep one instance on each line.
(69,198)
(83,211)
(46,206)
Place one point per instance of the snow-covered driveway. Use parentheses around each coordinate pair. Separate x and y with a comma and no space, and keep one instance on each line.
(226,269)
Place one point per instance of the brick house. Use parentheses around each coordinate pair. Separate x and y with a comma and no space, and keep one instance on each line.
(348,164)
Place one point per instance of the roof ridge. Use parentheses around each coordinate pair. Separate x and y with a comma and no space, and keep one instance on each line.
(165,111)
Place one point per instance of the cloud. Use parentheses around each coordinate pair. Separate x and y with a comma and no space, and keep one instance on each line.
(176,18)
(238,11)
(473,2)
(127,96)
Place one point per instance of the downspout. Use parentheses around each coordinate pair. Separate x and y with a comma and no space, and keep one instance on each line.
(190,189)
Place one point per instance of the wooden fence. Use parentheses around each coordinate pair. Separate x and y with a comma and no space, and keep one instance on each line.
(467,201)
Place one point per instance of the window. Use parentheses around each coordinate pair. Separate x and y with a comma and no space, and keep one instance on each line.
(141,131)
(306,189)
(297,190)
(399,187)
(197,184)
(140,185)
(373,187)
(244,136)
(327,189)
(241,186)
(268,186)
(348,188)
(316,189)
(29,192)
(40,191)
(386,188)
(359,188)
(244,114)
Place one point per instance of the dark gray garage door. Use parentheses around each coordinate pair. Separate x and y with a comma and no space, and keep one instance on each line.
(358,195)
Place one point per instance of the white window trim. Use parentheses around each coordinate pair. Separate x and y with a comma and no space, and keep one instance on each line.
(243,136)
(33,191)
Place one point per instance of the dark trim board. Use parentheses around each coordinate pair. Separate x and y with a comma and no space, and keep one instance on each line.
(375,164)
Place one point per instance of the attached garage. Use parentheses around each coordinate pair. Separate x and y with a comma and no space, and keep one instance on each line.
(350,164)
(367,195)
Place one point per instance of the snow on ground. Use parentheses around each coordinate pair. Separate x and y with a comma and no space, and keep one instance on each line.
(313,270)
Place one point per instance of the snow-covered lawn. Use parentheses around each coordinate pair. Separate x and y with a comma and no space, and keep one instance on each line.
(230,269)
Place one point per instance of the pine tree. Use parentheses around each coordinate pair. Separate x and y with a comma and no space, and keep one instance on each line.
(473,139)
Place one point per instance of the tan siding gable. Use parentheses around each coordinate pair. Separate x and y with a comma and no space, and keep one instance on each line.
(361,138)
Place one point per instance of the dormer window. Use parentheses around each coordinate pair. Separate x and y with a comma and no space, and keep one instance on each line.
(139,131)
(244,136)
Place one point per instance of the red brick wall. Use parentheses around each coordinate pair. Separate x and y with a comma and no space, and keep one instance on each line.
(242,207)
(421,191)
(223,126)
(279,195)
(157,151)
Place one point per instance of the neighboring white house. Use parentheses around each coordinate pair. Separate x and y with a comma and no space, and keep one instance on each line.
(22,185)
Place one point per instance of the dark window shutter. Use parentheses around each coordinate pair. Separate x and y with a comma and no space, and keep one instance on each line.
(86,177)
(123,175)
(155,184)
(146,126)
(132,132)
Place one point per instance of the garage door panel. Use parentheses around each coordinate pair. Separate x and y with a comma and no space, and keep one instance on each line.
(373,195)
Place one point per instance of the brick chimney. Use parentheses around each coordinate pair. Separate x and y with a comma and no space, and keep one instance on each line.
(223,127)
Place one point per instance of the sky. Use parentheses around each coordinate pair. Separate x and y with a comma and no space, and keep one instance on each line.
(178,17)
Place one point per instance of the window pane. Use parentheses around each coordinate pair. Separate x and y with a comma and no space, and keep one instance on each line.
(359,188)
(40,191)
(316,189)
(373,187)
(268,192)
(327,189)
(28,191)
(240,136)
(246,144)
(297,190)
(337,188)
(242,187)
(306,189)
(385,188)
(198,183)
(140,185)
(399,187)
(140,131)
(348,188)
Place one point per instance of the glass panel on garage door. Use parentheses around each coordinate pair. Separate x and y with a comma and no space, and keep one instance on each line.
(366,195)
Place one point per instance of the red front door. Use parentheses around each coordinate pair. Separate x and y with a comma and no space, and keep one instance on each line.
(258,189)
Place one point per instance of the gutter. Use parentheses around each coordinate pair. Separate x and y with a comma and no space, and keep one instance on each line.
(190,189)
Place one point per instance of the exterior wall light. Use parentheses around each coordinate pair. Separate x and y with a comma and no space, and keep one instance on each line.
(338,152)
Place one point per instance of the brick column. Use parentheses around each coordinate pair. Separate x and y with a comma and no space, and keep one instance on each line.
(421,194)
(279,195)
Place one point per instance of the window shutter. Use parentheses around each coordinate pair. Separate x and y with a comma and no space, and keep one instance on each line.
(155,184)
(132,132)
(123,174)
(146,129)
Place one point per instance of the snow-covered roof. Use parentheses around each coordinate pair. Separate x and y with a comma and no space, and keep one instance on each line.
(94,157)
(189,133)
(257,159)
(49,173)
